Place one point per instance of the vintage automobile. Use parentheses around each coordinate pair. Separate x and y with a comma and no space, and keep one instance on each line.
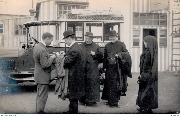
(21,68)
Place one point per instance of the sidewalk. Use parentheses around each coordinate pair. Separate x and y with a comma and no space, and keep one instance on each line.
(24,99)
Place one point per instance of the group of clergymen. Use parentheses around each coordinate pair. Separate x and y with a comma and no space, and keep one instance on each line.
(77,71)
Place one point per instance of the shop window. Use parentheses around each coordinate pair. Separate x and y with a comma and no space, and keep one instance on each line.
(136,38)
(1,28)
(163,38)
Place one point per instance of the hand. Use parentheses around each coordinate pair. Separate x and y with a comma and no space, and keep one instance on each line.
(53,56)
(62,53)
(56,53)
(92,53)
(119,55)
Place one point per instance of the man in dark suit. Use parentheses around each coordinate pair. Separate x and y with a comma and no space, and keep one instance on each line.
(42,71)
(75,64)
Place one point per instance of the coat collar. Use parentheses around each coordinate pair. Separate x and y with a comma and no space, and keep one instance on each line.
(43,45)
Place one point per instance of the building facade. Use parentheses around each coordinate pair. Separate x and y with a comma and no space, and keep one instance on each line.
(140,18)
(12,32)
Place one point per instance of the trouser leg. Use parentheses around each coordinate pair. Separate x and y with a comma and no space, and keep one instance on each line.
(73,106)
(42,95)
(124,88)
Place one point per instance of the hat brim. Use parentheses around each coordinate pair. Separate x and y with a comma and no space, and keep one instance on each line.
(89,35)
(68,36)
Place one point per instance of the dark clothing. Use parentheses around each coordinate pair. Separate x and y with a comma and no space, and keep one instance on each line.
(125,65)
(75,64)
(76,82)
(112,76)
(73,106)
(42,95)
(148,81)
(91,71)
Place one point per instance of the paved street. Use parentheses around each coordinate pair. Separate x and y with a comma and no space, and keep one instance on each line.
(21,98)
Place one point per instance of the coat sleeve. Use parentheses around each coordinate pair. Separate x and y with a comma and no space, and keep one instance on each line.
(105,58)
(45,60)
(147,63)
(70,58)
(124,47)
(99,55)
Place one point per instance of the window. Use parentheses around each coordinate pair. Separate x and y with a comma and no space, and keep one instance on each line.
(111,26)
(136,19)
(153,19)
(96,29)
(163,38)
(66,8)
(20,30)
(142,19)
(136,37)
(77,28)
(1,28)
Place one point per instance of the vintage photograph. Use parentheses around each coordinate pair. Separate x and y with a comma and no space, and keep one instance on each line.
(90,57)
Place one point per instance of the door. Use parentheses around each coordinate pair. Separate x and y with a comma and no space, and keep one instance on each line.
(146,32)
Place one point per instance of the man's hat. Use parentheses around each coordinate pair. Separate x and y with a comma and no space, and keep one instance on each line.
(89,34)
(68,33)
(112,33)
(47,35)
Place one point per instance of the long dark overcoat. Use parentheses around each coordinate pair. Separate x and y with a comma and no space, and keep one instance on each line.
(91,71)
(75,64)
(147,97)
(110,91)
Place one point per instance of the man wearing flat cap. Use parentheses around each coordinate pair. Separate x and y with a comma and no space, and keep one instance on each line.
(93,56)
(113,86)
(75,64)
(42,70)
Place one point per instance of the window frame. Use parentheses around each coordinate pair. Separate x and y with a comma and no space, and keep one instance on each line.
(135,37)
(2,28)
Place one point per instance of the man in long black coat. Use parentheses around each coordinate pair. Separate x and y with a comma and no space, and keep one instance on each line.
(111,91)
(93,56)
(75,65)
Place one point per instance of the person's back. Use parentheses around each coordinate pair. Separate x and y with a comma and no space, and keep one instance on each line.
(41,70)
(74,63)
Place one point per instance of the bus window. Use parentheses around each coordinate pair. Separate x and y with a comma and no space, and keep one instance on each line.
(96,29)
(77,28)
(111,26)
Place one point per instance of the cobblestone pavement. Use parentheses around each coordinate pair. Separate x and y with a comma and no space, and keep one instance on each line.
(21,98)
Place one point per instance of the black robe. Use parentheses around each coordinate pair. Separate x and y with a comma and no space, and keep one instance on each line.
(92,79)
(110,91)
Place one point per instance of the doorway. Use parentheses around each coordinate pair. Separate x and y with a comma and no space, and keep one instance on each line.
(146,32)
(152,32)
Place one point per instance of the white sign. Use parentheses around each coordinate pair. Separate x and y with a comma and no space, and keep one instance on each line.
(157,5)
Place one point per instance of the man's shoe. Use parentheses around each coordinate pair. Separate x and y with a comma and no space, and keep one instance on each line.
(123,94)
(115,105)
(41,112)
(91,104)
(69,112)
